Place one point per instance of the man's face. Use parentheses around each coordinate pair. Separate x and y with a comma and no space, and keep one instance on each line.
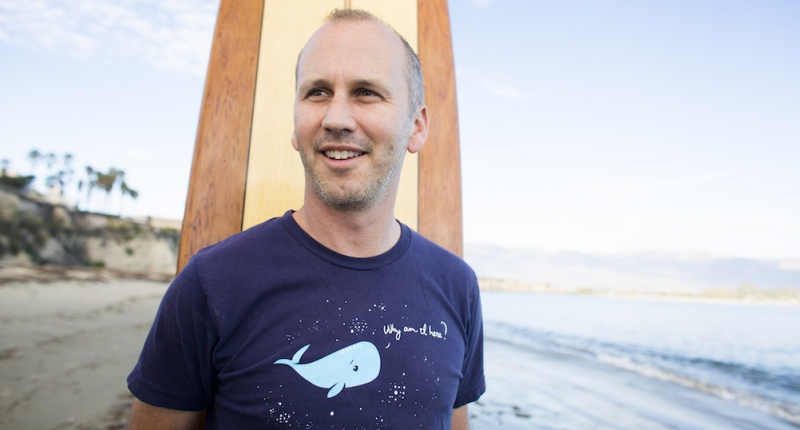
(351,117)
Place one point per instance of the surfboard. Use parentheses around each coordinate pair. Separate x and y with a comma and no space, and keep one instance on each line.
(244,169)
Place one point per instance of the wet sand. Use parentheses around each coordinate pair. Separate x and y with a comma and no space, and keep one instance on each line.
(529,389)
(67,345)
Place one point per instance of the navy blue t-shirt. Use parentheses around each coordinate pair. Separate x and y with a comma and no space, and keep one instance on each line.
(270,329)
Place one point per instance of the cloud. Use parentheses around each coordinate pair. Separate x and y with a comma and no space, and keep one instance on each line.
(169,34)
(490,84)
(481,4)
(508,92)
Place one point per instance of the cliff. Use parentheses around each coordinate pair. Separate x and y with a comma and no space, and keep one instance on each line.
(34,231)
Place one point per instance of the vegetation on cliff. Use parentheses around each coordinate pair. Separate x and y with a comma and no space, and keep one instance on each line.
(42,232)
(39,224)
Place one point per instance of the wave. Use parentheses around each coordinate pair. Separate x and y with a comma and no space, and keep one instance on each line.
(775,407)
(689,372)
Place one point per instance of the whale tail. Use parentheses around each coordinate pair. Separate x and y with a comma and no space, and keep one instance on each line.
(295,359)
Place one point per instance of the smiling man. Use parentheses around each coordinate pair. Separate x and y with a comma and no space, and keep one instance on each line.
(336,315)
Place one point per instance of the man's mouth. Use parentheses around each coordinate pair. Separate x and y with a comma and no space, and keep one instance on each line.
(342,155)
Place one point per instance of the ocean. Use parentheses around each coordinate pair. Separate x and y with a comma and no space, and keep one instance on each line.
(710,365)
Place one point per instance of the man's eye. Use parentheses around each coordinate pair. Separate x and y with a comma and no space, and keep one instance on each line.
(367,93)
(316,93)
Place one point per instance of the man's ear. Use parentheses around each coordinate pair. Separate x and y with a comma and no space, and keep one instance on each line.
(294,142)
(419,133)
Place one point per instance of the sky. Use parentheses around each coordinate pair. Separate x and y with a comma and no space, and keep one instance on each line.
(597,126)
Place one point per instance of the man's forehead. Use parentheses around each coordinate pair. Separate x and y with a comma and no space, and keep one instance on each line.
(352,44)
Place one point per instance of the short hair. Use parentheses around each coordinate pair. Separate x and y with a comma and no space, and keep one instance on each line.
(416,87)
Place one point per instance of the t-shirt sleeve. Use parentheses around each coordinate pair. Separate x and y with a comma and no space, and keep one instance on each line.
(473,384)
(175,368)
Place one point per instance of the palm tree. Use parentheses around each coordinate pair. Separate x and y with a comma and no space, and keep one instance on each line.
(56,179)
(35,156)
(106,182)
(68,172)
(51,159)
(80,187)
(91,182)
(126,190)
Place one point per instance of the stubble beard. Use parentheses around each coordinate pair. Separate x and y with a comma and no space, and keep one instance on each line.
(374,188)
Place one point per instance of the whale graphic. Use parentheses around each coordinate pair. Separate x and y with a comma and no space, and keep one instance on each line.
(350,366)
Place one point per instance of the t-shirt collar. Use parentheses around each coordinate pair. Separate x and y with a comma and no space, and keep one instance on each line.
(388,257)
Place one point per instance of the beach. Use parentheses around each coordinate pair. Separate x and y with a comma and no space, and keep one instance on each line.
(67,343)
(588,362)
(69,339)
(539,390)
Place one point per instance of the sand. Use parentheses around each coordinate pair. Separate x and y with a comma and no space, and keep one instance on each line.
(67,345)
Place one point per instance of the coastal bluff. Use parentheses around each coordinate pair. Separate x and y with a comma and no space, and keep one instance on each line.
(36,231)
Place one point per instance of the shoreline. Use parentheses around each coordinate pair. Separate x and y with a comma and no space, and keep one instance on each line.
(728,297)
(530,388)
(28,273)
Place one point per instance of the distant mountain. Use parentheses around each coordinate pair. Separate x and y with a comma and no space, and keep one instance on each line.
(631,271)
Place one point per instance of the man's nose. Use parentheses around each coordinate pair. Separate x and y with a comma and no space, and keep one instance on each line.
(340,115)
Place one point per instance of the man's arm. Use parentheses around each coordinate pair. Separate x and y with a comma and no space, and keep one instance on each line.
(148,417)
(460,419)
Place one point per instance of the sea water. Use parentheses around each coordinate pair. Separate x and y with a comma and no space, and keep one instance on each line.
(743,353)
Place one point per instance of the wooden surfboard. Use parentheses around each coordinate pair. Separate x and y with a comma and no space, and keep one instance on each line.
(244,169)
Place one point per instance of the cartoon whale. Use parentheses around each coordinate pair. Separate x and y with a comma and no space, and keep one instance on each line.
(350,366)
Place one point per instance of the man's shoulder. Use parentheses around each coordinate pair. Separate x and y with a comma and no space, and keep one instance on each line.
(246,241)
(227,272)
(434,258)
(245,245)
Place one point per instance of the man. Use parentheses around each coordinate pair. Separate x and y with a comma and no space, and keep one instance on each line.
(336,315)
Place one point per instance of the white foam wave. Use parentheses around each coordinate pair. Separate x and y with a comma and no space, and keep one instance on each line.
(774,407)
(528,339)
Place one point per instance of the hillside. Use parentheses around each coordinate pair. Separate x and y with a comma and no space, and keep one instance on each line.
(35,231)
(633,273)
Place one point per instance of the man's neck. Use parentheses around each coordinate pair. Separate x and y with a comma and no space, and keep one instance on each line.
(353,233)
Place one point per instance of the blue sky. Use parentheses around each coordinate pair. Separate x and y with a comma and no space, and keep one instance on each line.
(587,125)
